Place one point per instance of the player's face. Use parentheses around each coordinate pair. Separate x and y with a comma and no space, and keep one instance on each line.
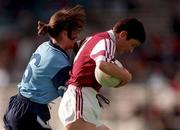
(74,35)
(129,45)
(70,41)
(125,45)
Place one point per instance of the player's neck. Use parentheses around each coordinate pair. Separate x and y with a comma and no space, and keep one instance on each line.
(54,41)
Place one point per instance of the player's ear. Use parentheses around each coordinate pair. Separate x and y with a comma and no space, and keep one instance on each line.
(64,33)
(123,34)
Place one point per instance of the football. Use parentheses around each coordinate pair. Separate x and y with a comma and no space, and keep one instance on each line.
(106,80)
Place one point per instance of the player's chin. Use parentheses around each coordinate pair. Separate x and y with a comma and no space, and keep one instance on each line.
(71,46)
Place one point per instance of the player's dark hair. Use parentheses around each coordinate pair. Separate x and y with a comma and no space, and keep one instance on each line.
(134,28)
(72,19)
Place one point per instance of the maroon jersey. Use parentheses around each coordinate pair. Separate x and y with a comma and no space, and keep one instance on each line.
(100,47)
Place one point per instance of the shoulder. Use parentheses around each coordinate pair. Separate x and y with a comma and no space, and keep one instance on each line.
(51,55)
(102,35)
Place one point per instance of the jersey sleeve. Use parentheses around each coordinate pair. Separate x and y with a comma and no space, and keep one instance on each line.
(58,68)
(61,77)
(103,51)
(59,80)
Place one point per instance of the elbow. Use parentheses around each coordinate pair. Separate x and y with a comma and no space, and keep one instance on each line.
(127,76)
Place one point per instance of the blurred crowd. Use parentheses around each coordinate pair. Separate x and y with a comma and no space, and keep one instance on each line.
(158,56)
(156,64)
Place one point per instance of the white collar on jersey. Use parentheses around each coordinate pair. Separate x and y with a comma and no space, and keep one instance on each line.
(111,34)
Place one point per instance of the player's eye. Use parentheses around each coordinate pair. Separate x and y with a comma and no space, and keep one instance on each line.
(74,35)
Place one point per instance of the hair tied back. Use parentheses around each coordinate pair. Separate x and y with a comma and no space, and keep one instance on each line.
(42,28)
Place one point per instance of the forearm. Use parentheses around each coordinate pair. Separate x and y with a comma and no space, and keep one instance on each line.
(115,71)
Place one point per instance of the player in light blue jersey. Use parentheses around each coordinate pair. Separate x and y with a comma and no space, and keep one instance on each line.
(45,76)
(46,73)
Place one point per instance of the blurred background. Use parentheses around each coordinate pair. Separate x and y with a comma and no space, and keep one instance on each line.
(150,102)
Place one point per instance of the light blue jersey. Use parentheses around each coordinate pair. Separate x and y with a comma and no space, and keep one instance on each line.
(46,74)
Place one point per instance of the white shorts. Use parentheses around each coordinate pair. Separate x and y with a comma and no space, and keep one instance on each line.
(80,103)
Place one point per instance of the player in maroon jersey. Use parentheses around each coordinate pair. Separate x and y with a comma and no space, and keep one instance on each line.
(80,106)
